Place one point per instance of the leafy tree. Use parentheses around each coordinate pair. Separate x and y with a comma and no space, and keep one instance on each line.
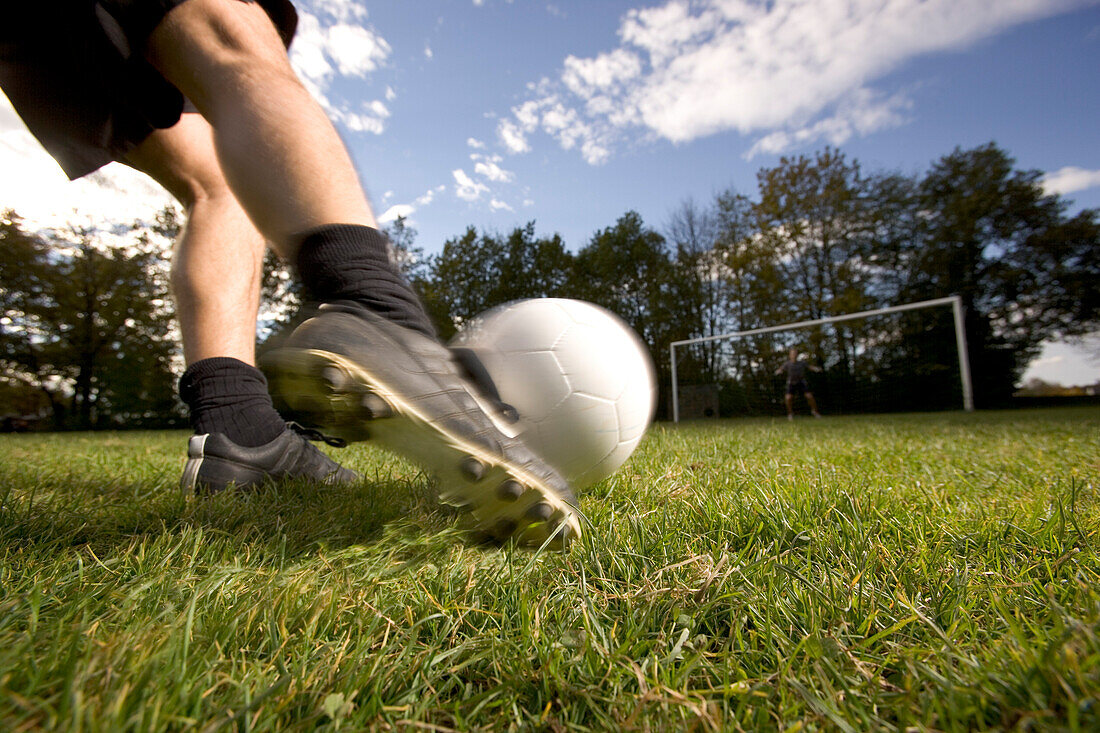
(755,288)
(464,276)
(627,269)
(811,213)
(533,267)
(700,287)
(475,272)
(410,258)
(86,325)
(1025,273)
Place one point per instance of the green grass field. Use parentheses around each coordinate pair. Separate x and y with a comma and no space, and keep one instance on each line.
(926,572)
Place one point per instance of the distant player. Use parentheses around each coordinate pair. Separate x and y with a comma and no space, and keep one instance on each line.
(796,382)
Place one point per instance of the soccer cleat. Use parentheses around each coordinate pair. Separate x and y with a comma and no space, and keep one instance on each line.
(214,462)
(357,375)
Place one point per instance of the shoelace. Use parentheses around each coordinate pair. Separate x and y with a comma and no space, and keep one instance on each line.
(317,435)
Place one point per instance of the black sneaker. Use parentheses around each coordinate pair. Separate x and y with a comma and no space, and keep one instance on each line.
(357,375)
(214,461)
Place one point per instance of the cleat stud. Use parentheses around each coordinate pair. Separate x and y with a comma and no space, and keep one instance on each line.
(375,406)
(540,512)
(510,490)
(472,469)
(504,528)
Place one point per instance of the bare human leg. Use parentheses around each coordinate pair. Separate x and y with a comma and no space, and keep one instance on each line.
(813,404)
(219,255)
(288,168)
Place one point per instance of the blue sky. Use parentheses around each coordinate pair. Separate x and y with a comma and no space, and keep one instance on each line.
(493,113)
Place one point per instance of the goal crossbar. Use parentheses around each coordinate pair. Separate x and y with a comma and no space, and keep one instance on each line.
(954,301)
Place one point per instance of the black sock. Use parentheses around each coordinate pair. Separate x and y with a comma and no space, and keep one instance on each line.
(230,397)
(354,262)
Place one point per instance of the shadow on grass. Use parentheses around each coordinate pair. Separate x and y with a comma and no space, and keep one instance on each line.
(287,519)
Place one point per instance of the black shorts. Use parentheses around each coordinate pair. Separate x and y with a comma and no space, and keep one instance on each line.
(799,387)
(75,72)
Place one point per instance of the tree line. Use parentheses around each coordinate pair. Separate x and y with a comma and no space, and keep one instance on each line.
(87,332)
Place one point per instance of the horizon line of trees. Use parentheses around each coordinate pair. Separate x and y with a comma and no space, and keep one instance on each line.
(87,336)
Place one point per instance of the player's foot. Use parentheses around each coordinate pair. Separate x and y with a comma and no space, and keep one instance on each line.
(817,414)
(790,416)
(357,375)
(214,462)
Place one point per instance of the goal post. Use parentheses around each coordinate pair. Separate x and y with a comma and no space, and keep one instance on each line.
(954,301)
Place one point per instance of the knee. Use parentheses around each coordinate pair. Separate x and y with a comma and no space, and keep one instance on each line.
(198,191)
(212,38)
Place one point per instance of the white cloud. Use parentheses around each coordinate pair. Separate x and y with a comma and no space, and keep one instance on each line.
(1070,179)
(498,205)
(489,167)
(9,120)
(395,211)
(790,71)
(356,50)
(371,117)
(1051,361)
(467,188)
(341,10)
(407,210)
(428,53)
(586,77)
(333,42)
(565,124)
(511,136)
(862,113)
(428,196)
(474,143)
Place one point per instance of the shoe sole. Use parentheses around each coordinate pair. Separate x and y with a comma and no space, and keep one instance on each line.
(347,400)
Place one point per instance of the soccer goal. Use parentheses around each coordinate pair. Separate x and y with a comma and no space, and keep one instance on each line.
(904,350)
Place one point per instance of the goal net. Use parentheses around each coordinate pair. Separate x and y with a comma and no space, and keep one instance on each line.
(903,358)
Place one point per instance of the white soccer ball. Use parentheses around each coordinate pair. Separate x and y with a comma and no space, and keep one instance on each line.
(579,377)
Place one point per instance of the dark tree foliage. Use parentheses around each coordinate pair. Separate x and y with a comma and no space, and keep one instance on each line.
(700,291)
(814,216)
(87,327)
(752,276)
(475,272)
(1059,275)
(628,269)
(992,236)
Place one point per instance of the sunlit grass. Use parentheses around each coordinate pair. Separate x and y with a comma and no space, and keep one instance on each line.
(930,571)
